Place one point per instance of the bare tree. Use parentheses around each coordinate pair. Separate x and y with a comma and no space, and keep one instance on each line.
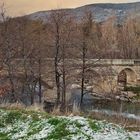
(57,21)
(8,51)
(61,35)
(86,32)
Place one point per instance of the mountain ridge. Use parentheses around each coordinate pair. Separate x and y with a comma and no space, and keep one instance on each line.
(101,11)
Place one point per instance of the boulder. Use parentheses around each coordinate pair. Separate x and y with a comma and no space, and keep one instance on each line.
(89,88)
(131,94)
(128,94)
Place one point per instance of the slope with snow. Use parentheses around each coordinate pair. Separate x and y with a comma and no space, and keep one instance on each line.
(101,12)
(25,125)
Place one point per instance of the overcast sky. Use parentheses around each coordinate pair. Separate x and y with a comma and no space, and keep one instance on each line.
(22,7)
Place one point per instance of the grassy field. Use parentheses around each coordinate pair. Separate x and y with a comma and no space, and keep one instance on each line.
(30,125)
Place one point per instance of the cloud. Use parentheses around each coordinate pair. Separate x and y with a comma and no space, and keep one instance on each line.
(21,7)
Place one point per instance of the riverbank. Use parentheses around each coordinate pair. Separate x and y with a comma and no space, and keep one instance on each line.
(121,96)
(30,125)
(128,121)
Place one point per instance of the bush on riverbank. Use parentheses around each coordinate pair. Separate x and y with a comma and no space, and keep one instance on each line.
(136,89)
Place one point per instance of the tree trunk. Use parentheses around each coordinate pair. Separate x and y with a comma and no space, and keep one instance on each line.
(39,82)
(57,74)
(64,77)
(83,71)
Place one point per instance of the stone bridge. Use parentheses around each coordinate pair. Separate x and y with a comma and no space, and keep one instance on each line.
(109,75)
(102,75)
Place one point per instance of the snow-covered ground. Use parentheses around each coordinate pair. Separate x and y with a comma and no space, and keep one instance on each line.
(23,125)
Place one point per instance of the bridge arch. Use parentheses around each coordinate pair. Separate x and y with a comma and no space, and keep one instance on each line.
(93,80)
(90,76)
(127,76)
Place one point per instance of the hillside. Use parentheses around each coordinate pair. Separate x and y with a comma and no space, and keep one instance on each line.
(29,125)
(101,12)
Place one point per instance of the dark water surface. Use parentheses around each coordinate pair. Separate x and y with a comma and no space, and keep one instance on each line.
(90,103)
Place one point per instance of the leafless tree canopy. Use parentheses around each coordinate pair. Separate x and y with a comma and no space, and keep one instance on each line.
(25,45)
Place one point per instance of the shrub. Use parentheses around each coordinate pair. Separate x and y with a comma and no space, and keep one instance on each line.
(136,89)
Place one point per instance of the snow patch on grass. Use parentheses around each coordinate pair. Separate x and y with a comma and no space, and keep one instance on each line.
(23,125)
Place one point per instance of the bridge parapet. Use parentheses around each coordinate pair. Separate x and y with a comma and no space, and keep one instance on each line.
(93,61)
(120,62)
(117,62)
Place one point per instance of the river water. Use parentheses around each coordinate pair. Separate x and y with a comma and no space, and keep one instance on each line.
(90,103)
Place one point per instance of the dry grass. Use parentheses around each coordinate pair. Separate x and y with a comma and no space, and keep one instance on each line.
(76,109)
(131,124)
(59,111)
(72,110)
(35,107)
(12,105)
(56,111)
(17,105)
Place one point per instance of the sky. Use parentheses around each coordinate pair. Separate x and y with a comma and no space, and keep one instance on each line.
(23,7)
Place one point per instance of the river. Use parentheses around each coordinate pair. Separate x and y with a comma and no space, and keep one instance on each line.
(110,107)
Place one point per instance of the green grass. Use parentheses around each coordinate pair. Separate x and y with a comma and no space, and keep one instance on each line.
(60,131)
(78,125)
(96,127)
(13,116)
(35,127)
(24,125)
(55,121)
(135,89)
(1,124)
(4,136)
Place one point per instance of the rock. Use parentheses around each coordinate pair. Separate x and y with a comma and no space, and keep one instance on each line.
(123,99)
(89,88)
(117,97)
(127,94)
(75,86)
(131,94)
